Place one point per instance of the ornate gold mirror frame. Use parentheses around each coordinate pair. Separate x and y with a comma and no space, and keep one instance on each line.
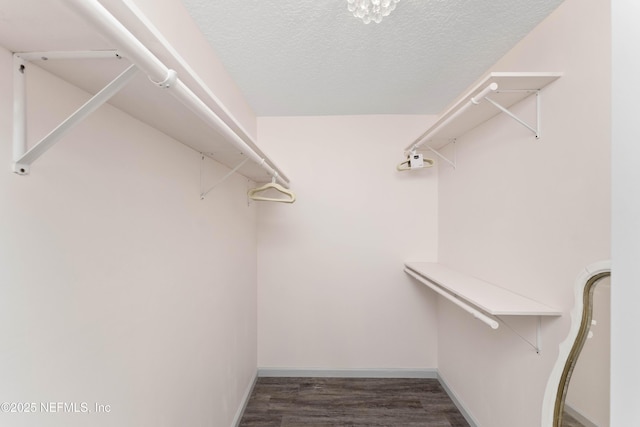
(556,392)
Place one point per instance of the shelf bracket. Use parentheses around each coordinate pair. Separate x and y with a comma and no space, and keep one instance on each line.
(535,130)
(491,320)
(538,345)
(23,157)
(221,180)
(451,163)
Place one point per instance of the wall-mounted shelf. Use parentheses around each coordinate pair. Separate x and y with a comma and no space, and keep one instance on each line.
(484,300)
(167,95)
(494,94)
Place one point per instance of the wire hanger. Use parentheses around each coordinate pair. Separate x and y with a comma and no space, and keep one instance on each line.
(253,193)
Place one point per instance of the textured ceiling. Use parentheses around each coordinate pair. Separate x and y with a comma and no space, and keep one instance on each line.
(304,57)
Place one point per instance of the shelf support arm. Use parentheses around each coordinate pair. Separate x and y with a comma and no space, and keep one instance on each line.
(539,335)
(489,320)
(19,110)
(452,163)
(22,159)
(538,345)
(518,119)
(221,180)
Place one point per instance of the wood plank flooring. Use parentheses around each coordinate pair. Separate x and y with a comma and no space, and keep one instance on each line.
(352,402)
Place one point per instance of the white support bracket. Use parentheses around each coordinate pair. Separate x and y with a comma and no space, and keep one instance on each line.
(221,180)
(502,91)
(486,302)
(475,101)
(22,156)
(535,130)
(538,344)
(451,163)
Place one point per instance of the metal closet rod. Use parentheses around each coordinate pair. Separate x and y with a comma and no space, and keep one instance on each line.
(473,101)
(132,49)
(466,307)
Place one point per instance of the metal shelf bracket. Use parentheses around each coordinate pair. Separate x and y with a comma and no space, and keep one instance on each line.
(538,344)
(22,155)
(204,193)
(535,130)
(451,162)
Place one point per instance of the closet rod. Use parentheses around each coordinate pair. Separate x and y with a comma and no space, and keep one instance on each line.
(131,48)
(466,307)
(473,101)
(219,107)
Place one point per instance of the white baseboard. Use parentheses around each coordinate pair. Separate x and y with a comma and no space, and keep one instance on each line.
(578,416)
(244,402)
(347,373)
(456,401)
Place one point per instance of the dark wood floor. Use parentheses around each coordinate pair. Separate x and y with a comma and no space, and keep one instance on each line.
(353,402)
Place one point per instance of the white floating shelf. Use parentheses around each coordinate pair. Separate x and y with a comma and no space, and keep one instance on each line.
(487,297)
(461,117)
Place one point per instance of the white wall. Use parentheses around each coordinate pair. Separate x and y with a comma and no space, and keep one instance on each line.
(625,292)
(331,291)
(118,285)
(529,214)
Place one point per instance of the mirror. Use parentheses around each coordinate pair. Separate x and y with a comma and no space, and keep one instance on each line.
(577,393)
(583,399)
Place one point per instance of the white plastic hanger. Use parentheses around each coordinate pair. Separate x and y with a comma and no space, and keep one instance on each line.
(252,193)
(407,164)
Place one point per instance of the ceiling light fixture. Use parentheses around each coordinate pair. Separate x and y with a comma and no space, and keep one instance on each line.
(371,10)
